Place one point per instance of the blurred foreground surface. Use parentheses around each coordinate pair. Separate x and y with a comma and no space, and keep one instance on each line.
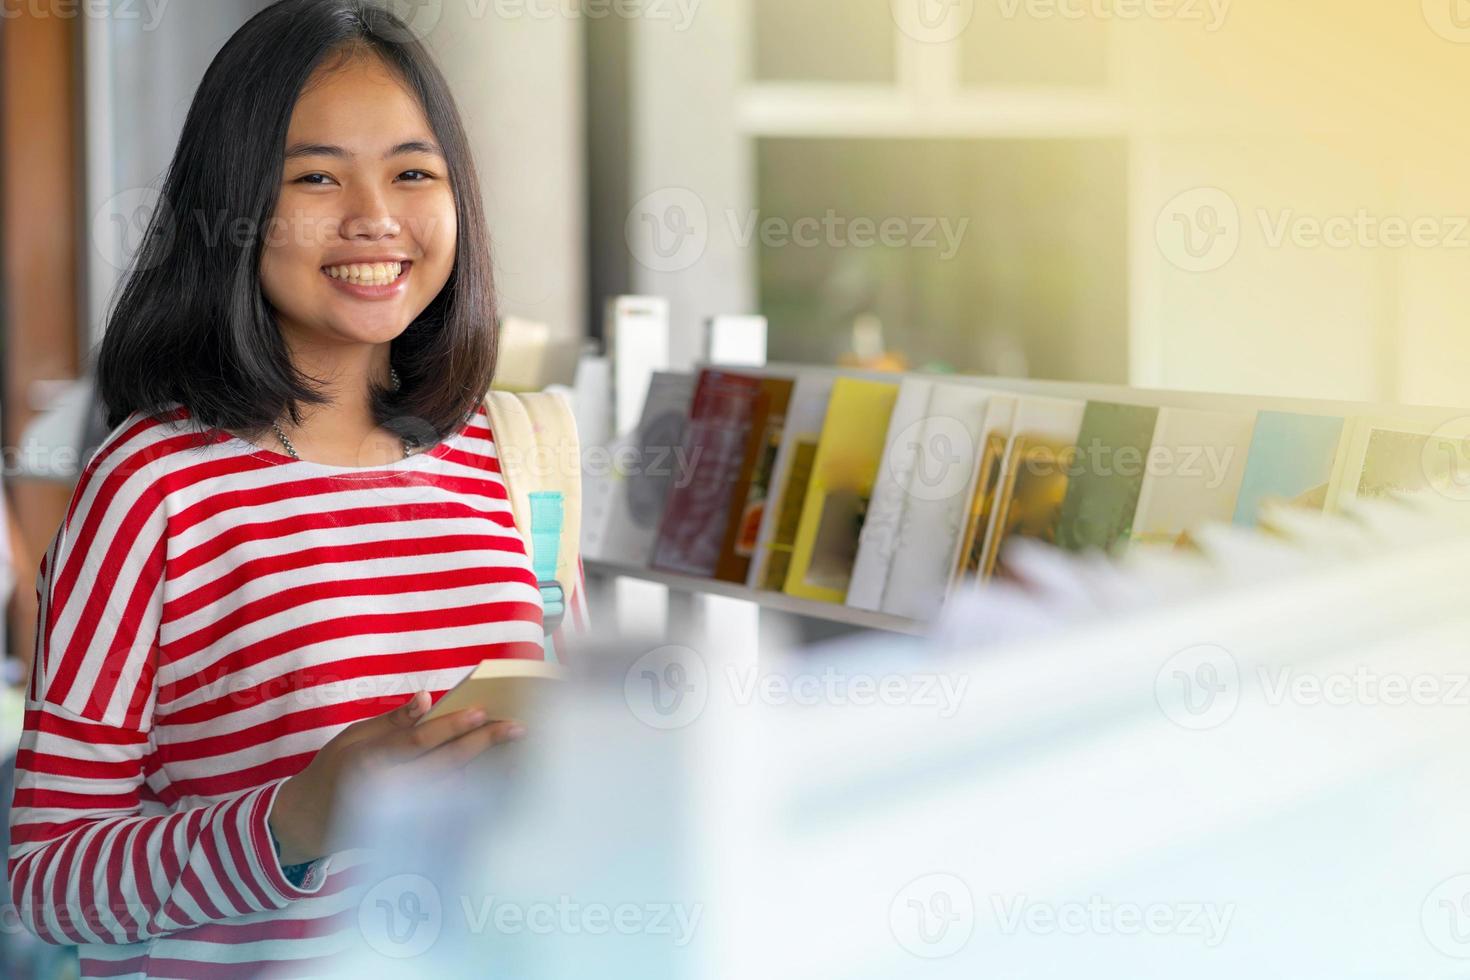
(1266,781)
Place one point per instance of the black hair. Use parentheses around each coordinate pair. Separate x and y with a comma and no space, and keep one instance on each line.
(192,325)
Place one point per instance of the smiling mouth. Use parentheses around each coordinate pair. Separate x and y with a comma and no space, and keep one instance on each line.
(368,273)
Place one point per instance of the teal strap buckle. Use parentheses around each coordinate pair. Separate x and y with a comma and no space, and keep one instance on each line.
(546,524)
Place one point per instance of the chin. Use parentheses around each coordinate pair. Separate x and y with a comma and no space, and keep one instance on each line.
(377,327)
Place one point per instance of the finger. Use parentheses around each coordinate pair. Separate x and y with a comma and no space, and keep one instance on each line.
(459,752)
(418,739)
(401,718)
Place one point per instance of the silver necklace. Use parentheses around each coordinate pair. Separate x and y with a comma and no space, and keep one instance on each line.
(408,446)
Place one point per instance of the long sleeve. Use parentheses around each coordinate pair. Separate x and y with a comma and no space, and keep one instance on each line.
(86,864)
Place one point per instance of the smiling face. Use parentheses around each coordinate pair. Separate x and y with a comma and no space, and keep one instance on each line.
(363,236)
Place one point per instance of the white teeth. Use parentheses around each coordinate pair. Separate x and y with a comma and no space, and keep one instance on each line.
(373,274)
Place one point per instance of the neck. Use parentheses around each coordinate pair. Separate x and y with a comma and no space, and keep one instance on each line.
(343,427)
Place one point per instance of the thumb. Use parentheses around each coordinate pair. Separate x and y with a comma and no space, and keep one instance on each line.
(409,712)
(406,715)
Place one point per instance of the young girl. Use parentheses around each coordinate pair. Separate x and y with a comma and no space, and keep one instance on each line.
(296,535)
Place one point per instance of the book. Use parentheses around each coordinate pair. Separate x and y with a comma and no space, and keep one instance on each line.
(1389,457)
(790,474)
(1194,474)
(636,337)
(844,468)
(1000,417)
(1034,479)
(1292,460)
(508,689)
(753,485)
(715,440)
(644,471)
(735,341)
(937,502)
(878,540)
(1102,493)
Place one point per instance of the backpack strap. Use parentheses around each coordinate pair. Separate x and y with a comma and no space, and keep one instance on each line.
(540,461)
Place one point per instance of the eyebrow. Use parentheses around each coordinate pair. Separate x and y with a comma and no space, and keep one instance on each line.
(328,150)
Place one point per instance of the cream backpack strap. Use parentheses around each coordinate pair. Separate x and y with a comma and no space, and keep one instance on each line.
(536,442)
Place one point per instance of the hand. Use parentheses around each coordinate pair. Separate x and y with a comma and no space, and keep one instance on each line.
(303,816)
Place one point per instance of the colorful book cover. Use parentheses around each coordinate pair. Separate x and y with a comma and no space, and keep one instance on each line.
(752,487)
(891,489)
(1102,494)
(999,420)
(1039,459)
(843,471)
(693,525)
(938,502)
(1390,458)
(790,475)
(643,475)
(1292,459)
(1194,473)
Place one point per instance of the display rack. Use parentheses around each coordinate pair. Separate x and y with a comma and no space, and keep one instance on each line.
(778,601)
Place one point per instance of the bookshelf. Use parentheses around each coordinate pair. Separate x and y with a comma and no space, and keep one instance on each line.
(688,592)
(774,601)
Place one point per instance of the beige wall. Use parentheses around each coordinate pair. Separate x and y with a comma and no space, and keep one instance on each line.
(1304,111)
(518,81)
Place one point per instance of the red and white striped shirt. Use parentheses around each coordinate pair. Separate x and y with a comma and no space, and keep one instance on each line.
(211,614)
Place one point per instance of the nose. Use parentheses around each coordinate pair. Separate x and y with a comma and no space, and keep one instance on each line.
(369,218)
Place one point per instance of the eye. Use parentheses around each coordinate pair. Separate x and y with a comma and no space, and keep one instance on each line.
(312,179)
(416,176)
